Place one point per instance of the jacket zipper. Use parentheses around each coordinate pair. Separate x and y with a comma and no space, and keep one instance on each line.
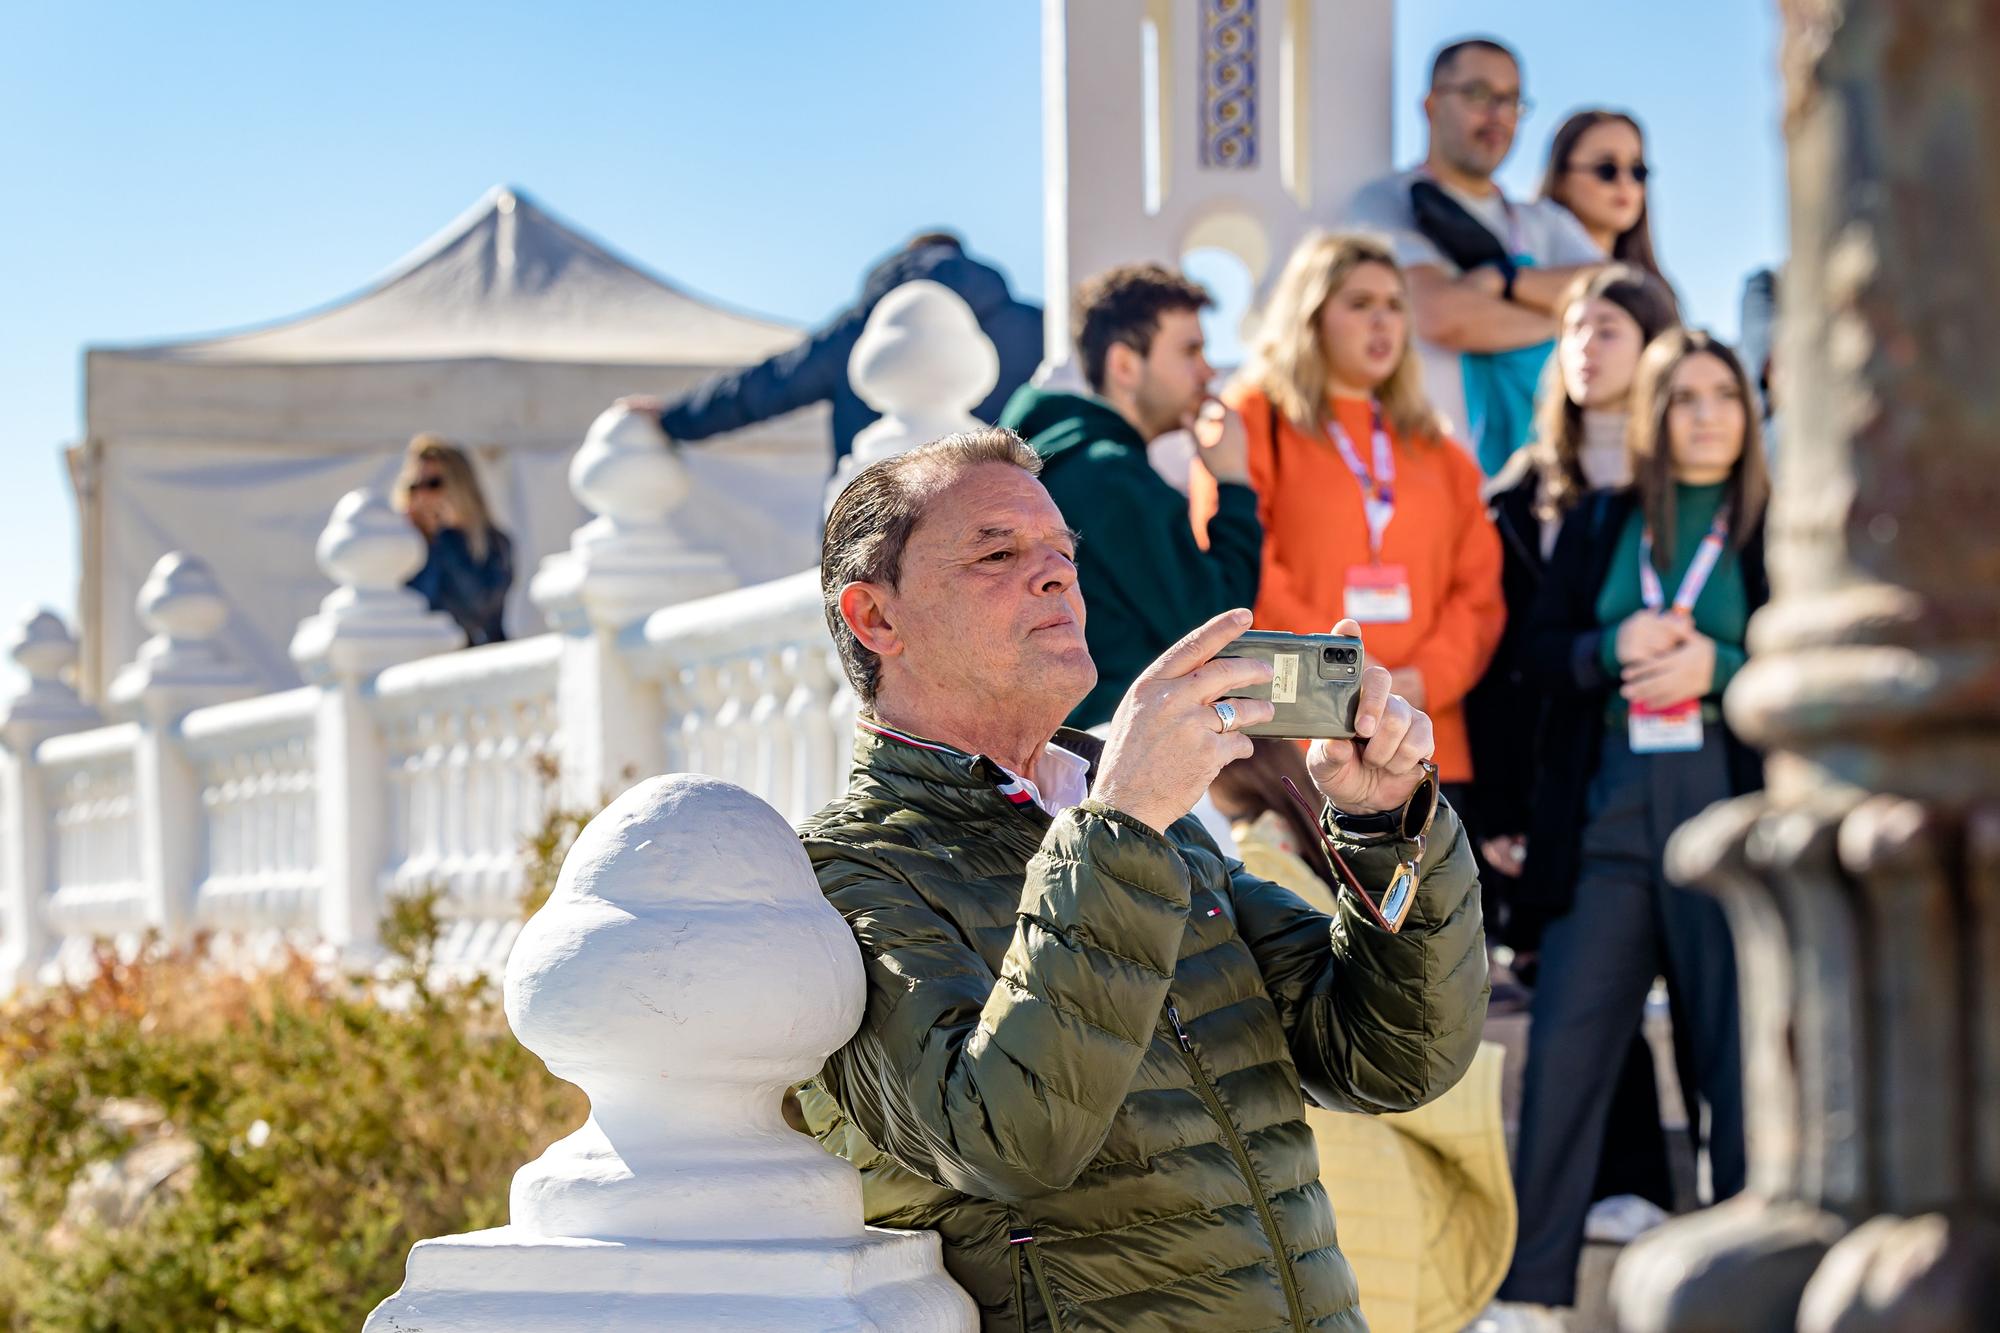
(1022,1243)
(1020,1295)
(1213,1100)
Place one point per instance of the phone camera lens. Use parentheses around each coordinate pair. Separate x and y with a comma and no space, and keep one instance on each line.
(1343,655)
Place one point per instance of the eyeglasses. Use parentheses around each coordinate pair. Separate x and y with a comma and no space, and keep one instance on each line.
(1485,98)
(427,484)
(1609,172)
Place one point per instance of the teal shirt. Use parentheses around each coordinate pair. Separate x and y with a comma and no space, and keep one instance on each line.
(1722,611)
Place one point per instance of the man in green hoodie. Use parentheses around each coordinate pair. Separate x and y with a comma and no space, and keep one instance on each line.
(1138,337)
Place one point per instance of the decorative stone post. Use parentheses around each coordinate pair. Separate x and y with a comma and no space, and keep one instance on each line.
(180,668)
(1864,885)
(42,647)
(368,622)
(684,973)
(622,565)
(923,362)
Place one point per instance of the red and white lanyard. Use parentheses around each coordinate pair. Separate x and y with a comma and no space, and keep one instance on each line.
(1378,488)
(1705,559)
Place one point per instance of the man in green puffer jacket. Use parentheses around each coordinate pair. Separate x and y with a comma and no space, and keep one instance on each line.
(1087,1034)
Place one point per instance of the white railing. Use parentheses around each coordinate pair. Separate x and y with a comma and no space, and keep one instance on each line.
(89,782)
(403,766)
(468,738)
(256,770)
(299,817)
(752,691)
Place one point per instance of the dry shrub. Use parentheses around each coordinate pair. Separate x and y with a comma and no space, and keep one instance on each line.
(386,1122)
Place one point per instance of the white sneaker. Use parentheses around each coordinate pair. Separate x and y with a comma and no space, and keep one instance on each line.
(1622,1219)
(1519,1317)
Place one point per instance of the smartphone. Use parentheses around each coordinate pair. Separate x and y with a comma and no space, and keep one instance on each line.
(1315,682)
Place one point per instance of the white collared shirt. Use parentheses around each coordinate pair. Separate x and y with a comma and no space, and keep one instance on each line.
(1063,779)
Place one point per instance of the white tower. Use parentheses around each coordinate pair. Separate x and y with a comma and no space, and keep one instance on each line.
(1177,125)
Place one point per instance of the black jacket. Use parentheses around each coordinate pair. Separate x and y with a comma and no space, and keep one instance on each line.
(1503,711)
(1560,654)
(815,371)
(473,592)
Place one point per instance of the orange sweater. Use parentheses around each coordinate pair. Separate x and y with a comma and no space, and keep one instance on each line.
(1314,529)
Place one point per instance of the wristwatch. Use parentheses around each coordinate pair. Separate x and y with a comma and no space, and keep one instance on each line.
(1408,824)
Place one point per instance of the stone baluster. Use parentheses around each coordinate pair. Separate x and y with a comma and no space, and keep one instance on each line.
(46,706)
(369,622)
(685,971)
(816,757)
(923,362)
(623,564)
(183,666)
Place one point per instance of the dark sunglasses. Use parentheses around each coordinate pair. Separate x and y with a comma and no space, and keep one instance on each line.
(1609,172)
(427,484)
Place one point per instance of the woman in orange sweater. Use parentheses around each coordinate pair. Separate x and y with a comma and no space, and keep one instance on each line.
(1368,510)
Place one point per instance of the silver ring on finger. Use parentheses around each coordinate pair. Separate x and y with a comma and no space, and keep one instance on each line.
(1226,712)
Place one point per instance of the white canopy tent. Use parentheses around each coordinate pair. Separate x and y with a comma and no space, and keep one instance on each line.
(508,332)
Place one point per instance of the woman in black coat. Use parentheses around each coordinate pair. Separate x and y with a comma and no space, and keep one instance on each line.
(1632,745)
(468,561)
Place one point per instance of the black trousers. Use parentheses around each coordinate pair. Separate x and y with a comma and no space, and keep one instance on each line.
(1628,925)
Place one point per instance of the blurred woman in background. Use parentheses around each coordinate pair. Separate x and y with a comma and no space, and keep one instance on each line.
(468,563)
(1369,511)
(1597,170)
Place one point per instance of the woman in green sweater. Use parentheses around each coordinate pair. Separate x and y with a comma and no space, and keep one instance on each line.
(1638,628)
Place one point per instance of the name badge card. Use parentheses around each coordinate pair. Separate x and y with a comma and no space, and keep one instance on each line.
(1677,727)
(1378,594)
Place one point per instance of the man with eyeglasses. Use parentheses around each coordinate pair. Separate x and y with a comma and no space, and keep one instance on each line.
(1485,271)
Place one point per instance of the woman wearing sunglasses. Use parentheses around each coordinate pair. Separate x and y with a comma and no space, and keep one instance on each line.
(468,563)
(1597,170)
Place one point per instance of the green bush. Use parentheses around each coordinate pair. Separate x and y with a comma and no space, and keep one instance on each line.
(383,1121)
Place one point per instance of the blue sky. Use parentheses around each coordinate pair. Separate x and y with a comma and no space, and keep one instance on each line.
(184,168)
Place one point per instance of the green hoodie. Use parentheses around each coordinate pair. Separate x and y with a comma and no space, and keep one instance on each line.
(1145,579)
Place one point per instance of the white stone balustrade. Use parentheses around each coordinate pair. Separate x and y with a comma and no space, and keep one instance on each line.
(256,769)
(622,565)
(369,623)
(684,973)
(923,362)
(182,667)
(462,737)
(42,648)
(685,1202)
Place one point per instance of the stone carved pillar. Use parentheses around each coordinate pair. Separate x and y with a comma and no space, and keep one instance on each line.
(685,971)
(923,362)
(182,667)
(370,621)
(1864,885)
(624,564)
(42,647)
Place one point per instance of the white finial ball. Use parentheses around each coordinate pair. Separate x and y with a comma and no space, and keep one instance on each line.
(627,470)
(182,600)
(368,545)
(922,350)
(41,645)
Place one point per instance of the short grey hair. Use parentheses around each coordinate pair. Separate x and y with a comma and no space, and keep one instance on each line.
(872,519)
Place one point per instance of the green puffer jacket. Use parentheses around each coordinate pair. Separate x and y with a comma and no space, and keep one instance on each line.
(1084,1046)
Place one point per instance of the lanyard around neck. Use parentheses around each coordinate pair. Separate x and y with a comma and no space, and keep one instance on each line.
(1706,557)
(1378,488)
